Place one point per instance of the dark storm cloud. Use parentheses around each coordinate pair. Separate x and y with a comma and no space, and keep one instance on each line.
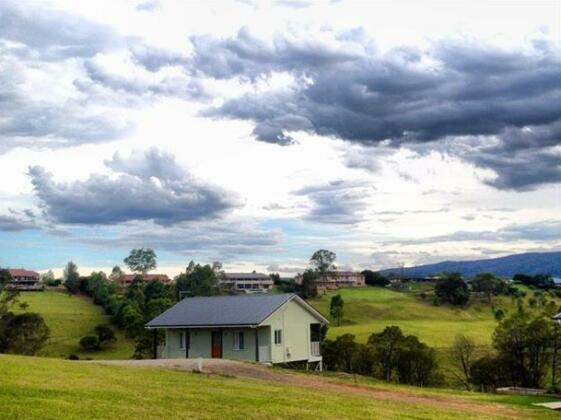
(249,57)
(338,202)
(507,103)
(147,187)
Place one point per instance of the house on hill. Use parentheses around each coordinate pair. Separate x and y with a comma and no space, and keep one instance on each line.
(262,328)
(338,279)
(24,280)
(247,282)
(125,280)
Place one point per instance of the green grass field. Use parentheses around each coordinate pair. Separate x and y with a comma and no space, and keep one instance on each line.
(371,309)
(70,318)
(42,388)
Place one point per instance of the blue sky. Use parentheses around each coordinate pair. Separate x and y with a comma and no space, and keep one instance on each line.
(255,132)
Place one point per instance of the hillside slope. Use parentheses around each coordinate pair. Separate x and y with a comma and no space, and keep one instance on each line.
(70,318)
(34,388)
(528,263)
(371,309)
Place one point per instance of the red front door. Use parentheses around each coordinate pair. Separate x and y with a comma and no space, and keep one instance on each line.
(216,344)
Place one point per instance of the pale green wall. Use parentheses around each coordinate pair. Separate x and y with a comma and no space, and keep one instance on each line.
(294,321)
(248,353)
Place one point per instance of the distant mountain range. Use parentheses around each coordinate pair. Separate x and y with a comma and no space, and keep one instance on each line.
(528,263)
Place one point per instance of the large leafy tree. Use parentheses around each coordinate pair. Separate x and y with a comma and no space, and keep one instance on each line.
(452,289)
(141,260)
(309,287)
(199,280)
(71,277)
(323,263)
(527,343)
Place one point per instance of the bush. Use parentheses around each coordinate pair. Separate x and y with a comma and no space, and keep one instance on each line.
(90,343)
(73,357)
(499,314)
(452,289)
(105,335)
(23,333)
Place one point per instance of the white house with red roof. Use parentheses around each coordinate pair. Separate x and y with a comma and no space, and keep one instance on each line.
(23,279)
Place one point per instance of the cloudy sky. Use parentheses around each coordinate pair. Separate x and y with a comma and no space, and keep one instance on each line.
(255,132)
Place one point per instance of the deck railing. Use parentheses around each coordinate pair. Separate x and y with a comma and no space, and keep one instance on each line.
(315,348)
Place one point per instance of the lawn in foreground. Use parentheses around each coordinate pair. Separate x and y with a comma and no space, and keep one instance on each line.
(69,318)
(57,389)
(371,309)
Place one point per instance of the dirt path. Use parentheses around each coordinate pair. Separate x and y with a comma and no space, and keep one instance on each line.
(262,372)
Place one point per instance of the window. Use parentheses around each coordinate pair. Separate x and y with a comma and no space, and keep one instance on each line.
(278,336)
(183,340)
(238,341)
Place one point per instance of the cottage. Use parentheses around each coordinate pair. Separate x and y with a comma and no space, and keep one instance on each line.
(125,280)
(261,328)
(337,279)
(24,280)
(247,282)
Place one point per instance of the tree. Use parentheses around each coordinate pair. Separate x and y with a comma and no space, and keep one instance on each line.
(485,283)
(116,273)
(141,260)
(71,277)
(5,277)
(23,333)
(386,346)
(48,278)
(336,308)
(105,335)
(375,278)
(309,286)
(526,342)
(452,289)
(338,354)
(199,280)
(462,355)
(322,262)
(276,278)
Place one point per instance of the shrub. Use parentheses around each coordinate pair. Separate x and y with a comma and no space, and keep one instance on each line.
(105,335)
(73,357)
(23,333)
(499,314)
(90,343)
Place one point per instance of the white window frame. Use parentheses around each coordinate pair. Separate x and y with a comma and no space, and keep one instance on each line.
(182,340)
(278,333)
(236,341)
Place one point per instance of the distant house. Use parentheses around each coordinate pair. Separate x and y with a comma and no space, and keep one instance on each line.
(24,280)
(125,280)
(338,279)
(556,281)
(247,282)
(264,328)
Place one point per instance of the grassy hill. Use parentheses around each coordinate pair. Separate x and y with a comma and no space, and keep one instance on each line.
(371,309)
(40,388)
(70,318)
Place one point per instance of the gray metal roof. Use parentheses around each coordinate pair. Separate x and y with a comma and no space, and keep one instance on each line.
(221,311)
(246,276)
